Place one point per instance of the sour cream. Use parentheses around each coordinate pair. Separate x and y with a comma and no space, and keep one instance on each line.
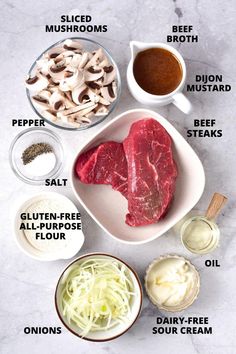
(171,281)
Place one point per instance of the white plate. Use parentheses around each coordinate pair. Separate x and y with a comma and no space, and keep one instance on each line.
(108,207)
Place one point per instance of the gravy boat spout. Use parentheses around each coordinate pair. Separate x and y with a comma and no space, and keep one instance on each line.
(136,47)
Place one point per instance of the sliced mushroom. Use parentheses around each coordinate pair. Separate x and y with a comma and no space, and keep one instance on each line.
(100,110)
(58,59)
(68,53)
(103,101)
(69,103)
(68,95)
(57,70)
(96,58)
(78,51)
(53,88)
(45,94)
(57,101)
(92,95)
(104,62)
(78,92)
(90,55)
(54,52)
(40,102)
(50,114)
(90,115)
(73,85)
(84,60)
(93,73)
(78,114)
(37,83)
(64,119)
(42,66)
(109,77)
(85,111)
(108,69)
(63,86)
(76,59)
(71,121)
(68,100)
(94,85)
(114,88)
(108,93)
(87,119)
(69,44)
(32,80)
(77,109)
(68,60)
(73,77)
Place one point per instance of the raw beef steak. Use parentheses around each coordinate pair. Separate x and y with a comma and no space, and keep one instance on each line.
(83,158)
(151,172)
(105,164)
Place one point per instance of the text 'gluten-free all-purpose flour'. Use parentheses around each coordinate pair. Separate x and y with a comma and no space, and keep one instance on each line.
(49,225)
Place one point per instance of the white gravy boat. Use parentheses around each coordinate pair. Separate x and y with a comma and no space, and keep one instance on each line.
(176,97)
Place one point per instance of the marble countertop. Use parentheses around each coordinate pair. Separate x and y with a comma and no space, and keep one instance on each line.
(27,286)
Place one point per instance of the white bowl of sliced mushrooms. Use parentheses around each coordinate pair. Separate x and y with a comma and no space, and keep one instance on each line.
(74,84)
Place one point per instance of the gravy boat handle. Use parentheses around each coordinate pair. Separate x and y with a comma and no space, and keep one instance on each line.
(181,102)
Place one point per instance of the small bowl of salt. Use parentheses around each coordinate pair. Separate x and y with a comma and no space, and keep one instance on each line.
(35,155)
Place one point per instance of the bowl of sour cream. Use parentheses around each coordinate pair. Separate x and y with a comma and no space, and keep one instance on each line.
(172,283)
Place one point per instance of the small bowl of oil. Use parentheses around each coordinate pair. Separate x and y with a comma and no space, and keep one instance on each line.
(200,235)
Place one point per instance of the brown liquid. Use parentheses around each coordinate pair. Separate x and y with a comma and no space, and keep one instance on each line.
(157,71)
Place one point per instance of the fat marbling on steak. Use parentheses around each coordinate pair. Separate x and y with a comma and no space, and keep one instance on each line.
(104,164)
(152,172)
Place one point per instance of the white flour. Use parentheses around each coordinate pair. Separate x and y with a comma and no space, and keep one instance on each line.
(48,245)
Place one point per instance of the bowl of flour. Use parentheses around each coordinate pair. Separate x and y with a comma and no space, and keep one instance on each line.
(48,227)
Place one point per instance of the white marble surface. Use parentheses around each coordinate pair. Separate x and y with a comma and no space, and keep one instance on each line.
(27,286)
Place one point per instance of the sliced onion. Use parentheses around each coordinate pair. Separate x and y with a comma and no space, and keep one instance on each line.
(97,294)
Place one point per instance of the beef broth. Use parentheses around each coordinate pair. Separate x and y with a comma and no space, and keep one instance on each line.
(157,71)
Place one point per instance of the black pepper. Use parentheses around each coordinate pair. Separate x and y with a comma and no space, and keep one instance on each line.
(35,150)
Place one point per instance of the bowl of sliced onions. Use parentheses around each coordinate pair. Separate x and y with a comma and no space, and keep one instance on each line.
(98,297)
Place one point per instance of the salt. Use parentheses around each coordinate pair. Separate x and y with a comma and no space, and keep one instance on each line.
(41,165)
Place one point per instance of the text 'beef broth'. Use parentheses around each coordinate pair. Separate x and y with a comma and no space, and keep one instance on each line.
(157,71)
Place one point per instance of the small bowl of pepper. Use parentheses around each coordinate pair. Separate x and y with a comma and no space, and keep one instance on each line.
(36,155)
